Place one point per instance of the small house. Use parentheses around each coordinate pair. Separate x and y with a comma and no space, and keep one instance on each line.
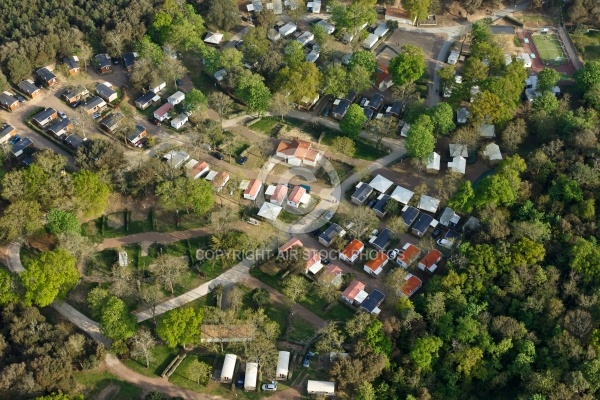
(72,64)
(139,132)
(379,207)
(462,115)
(375,266)
(362,192)
(305,38)
(29,88)
(407,255)
(269,211)
(355,292)
(283,366)
(213,38)
(93,105)
(492,153)
(352,251)
(370,41)
(458,150)
(433,163)
(253,189)
(327,26)
(376,102)
(112,122)
(195,169)
(526,59)
(487,131)
(320,388)
(279,194)
(43,118)
(146,100)
(298,152)
(179,120)
(428,203)
(383,81)
(409,215)
(395,109)
(287,29)
(329,234)
(6,133)
(411,285)
(220,180)
(46,76)
(228,368)
(103,64)
(382,240)
(74,94)
(471,225)
(422,225)
(176,158)
(449,218)
(128,60)
(162,112)
(293,242)
(18,149)
(176,98)
(372,302)
(61,127)
(298,196)
(106,92)
(74,141)
(381,183)
(251,375)
(340,109)
(332,276)
(429,262)
(158,88)
(402,195)
(314,264)
(8,102)
(381,30)
(458,165)
(273,35)
(453,57)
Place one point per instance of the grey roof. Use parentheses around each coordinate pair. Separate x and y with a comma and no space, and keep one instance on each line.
(103,60)
(396,108)
(471,224)
(45,74)
(146,97)
(21,145)
(449,217)
(6,129)
(104,91)
(28,87)
(380,205)
(73,92)
(7,100)
(71,62)
(451,235)
(60,125)
(423,223)
(128,59)
(362,192)
(376,101)
(42,115)
(331,232)
(383,239)
(372,301)
(368,113)
(113,120)
(342,108)
(74,141)
(136,132)
(93,102)
(502,29)
(350,96)
(410,215)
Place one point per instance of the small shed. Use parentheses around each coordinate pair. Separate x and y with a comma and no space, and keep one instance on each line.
(327,26)
(381,183)
(422,225)
(402,195)
(462,114)
(269,211)
(409,215)
(305,37)
(162,112)
(487,131)
(251,375)
(340,109)
(433,162)
(492,152)
(362,192)
(526,58)
(228,368)
(179,120)
(213,38)
(458,150)
(288,29)
(372,302)
(283,365)
(320,387)
(381,30)
(176,98)
(428,203)
(458,165)
(370,41)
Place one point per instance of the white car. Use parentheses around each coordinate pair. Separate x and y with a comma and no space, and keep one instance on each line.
(96,115)
(329,215)
(394,253)
(269,387)
(445,243)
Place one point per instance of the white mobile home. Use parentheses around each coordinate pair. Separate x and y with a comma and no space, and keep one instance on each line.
(320,387)
(251,375)
(176,98)
(228,368)
(283,365)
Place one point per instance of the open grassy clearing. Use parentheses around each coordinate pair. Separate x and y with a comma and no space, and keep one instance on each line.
(94,382)
(549,48)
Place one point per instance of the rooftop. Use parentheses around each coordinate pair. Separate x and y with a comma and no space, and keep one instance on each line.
(354,247)
(353,289)
(377,262)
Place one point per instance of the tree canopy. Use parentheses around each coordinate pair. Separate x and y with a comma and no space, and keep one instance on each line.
(408,65)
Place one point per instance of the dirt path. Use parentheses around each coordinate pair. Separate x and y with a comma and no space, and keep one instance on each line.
(158,237)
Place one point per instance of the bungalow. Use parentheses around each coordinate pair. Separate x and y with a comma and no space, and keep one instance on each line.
(293,242)
(327,26)
(43,118)
(375,266)
(458,150)
(411,285)
(323,388)
(409,215)
(314,264)
(103,64)
(162,112)
(376,102)
(72,64)
(251,375)
(402,195)
(428,203)
(355,292)
(179,120)
(213,38)
(176,98)
(305,37)
(228,368)
(176,158)
(29,88)
(279,194)
(8,102)
(458,165)
(74,94)
(128,60)
(526,59)
(340,109)
(298,152)
(332,276)
(379,207)
(362,192)
(220,180)
(313,56)
(352,251)
(422,225)
(381,184)
(298,196)
(449,218)
(146,100)
(112,122)
(18,148)
(372,302)
(138,134)
(158,88)
(46,76)
(7,132)
(195,169)
(105,91)
(253,189)
(429,262)
(74,142)
(492,152)
(407,255)
(381,30)
(383,240)
(370,41)
(433,163)
(395,109)
(450,239)
(453,57)
(61,127)
(333,231)
(287,29)
(487,131)
(283,365)
(220,75)
(462,115)
(93,105)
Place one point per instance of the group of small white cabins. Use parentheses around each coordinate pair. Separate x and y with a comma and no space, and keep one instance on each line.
(163,113)
(281,374)
(195,169)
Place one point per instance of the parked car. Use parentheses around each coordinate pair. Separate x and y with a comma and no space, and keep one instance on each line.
(178,82)
(154,121)
(269,387)
(307,357)
(240,380)
(394,253)
(445,243)
(329,215)
(239,44)
(75,104)
(115,60)
(96,115)
(326,111)
(16,139)
(218,156)
(21,98)
(374,232)
(62,114)
(315,233)
(325,261)
(436,232)
(242,160)
(363,101)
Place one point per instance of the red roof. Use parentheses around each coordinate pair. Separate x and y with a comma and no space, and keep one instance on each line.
(355,246)
(297,194)
(353,289)
(411,285)
(377,262)
(279,193)
(298,148)
(253,187)
(164,109)
(432,258)
(198,168)
(220,179)
(410,251)
(291,243)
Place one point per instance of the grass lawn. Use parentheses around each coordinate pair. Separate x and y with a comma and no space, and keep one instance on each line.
(301,329)
(549,48)
(266,125)
(588,44)
(200,80)
(288,217)
(162,356)
(94,382)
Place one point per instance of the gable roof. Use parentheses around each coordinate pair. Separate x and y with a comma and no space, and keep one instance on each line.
(60,125)
(428,203)
(45,74)
(431,258)
(103,60)
(72,62)
(129,59)
(113,120)
(383,239)
(280,193)
(353,289)
(409,215)
(449,217)
(297,194)
(354,247)
(28,87)
(74,92)
(105,89)
(313,264)
(197,168)
(7,99)
(362,191)
(377,262)
(44,114)
(331,232)
(253,187)
(95,101)
(402,195)
(433,162)
(293,242)
(146,97)
(423,223)
(139,129)
(296,148)
(411,285)
(269,211)
(408,253)
(381,202)
(331,273)
(5,130)
(164,109)
(381,183)
(74,141)
(373,300)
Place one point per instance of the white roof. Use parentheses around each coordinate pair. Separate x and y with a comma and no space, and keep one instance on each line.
(211,175)
(458,164)
(381,29)
(319,387)
(370,41)
(228,367)
(402,195)
(361,296)
(305,199)
(492,152)
(316,6)
(458,150)
(312,56)
(526,59)
(180,118)
(213,38)
(257,5)
(380,183)
(287,29)
(277,7)
(328,26)
(179,95)
(507,59)
(270,190)
(305,37)
(404,130)
(283,364)
(244,184)
(428,203)
(249,7)
(251,374)
(316,267)
(433,162)
(488,131)
(269,211)
(220,74)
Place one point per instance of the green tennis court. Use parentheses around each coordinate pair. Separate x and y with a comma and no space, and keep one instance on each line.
(549,48)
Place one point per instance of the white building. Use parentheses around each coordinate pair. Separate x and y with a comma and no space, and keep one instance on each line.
(179,121)
(381,30)
(453,57)
(370,41)
(251,375)
(526,58)
(288,29)
(458,164)
(228,368)
(320,387)
(176,98)
(433,162)
(305,38)
(283,365)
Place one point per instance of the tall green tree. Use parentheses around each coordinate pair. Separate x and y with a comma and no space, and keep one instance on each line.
(252,90)
(442,117)
(194,101)
(365,59)
(116,322)
(186,194)
(588,76)
(302,82)
(21,219)
(61,221)
(420,141)
(408,65)
(353,121)
(547,79)
(8,288)
(90,193)
(489,108)
(418,9)
(180,327)
(223,15)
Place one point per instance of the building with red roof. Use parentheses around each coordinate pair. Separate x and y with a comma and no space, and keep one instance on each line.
(253,189)
(375,266)
(429,262)
(355,292)
(352,251)
(407,255)
(411,285)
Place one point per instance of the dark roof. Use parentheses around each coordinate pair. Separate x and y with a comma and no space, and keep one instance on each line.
(73,92)
(368,113)
(103,60)
(112,120)
(350,96)
(502,29)
(27,161)
(342,107)
(380,205)
(93,102)
(410,215)
(6,129)
(71,62)
(42,115)
(423,223)
(146,97)
(128,59)
(396,108)
(7,100)
(451,235)
(45,74)
(383,239)
(28,87)
(74,141)
(372,301)
(136,132)
(362,192)
(21,145)
(104,90)
(376,101)
(60,125)
(331,232)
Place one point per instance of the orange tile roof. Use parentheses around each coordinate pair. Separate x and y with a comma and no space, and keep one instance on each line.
(431,258)
(355,246)
(253,187)
(353,289)
(296,148)
(314,258)
(411,285)
(279,193)
(297,194)
(291,243)
(409,253)
(220,179)
(311,155)
(199,167)
(377,262)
